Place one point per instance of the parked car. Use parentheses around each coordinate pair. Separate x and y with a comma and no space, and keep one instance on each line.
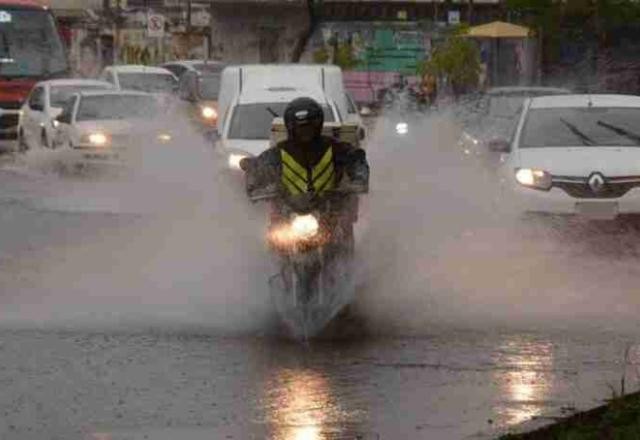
(109,126)
(141,78)
(45,102)
(577,154)
(179,68)
(199,92)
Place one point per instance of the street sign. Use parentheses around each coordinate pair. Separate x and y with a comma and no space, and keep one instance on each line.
(155,25)
(5,17)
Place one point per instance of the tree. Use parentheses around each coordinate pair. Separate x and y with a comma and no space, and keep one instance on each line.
(458,60)
(313,11)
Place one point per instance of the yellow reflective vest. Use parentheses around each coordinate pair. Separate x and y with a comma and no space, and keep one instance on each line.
(298,180)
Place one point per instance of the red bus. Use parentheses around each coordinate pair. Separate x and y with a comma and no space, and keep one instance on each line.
(31,50)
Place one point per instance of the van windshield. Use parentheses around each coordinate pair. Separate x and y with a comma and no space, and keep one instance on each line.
(253,121)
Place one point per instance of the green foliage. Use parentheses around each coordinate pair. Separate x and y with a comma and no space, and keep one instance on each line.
(321,56)
(619,420)
(458,59)
(344,57)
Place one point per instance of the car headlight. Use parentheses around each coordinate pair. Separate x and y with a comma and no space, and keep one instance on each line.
(470,139)
(234,160)
(164,137)
(402,128)
(96,139)
(209,112)
(533,178)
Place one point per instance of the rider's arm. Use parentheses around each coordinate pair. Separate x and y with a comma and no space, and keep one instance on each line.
(262,174)
(356,169)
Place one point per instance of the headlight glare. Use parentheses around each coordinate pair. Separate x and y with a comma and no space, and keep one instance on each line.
(209,113)
(305,226)
(98,139)
(234,160)
(534,178)
(164,137)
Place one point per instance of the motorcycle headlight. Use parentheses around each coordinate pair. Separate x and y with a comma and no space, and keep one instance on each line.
(234,160)
(305,226)
(208,112)
(533,178)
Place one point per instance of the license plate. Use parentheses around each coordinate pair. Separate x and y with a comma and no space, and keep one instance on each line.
(597,210)
(101,156)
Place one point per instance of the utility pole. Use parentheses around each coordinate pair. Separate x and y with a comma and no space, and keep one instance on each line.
(116,32)
(189,21)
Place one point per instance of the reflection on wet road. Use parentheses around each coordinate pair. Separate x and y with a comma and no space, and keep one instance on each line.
(448,385)
(526,379)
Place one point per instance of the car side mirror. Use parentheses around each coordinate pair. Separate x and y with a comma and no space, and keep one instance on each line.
(500,145)
(246,163)
(365,111)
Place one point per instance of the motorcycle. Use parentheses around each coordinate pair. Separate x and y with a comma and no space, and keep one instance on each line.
(315,282)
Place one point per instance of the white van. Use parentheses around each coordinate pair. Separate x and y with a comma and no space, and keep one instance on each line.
(251,96)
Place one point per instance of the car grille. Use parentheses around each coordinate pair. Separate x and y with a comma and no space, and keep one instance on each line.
(10,105)
(579,188)
(9,121)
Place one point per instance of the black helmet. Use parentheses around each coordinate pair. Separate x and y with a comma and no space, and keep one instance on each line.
(301,112)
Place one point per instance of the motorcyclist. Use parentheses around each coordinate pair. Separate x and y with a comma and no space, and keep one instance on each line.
(308,169)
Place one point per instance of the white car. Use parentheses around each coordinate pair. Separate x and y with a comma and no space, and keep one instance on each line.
(45,103)
(247,132)
(180,67)
(575,154)
(141,78)
(108,126)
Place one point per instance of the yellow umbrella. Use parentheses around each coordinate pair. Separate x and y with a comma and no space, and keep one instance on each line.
(499,29)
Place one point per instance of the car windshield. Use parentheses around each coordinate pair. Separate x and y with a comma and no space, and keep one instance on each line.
(61,94)
(148,82)
(209,67)
(507,105)
(107,107)
(209,87)
(253,121)
(29,44)
(580,126)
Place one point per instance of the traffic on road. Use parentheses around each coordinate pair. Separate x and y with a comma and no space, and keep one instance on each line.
(414,225)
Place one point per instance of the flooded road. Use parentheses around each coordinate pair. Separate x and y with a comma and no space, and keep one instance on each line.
(140,311)
(449,385)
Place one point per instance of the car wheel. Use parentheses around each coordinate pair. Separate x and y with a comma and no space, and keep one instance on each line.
(22,142)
